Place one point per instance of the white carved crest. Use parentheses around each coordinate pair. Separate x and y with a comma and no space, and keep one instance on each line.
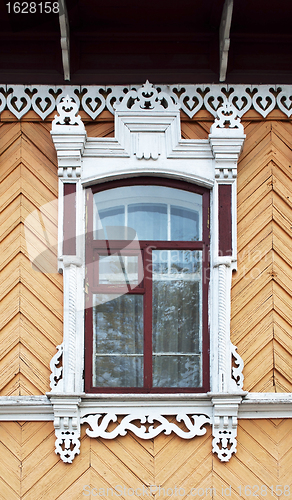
(227,117)
(67,110)
(147,98)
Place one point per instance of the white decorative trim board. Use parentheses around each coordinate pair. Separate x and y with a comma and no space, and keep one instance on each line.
(93,99)
(254,405)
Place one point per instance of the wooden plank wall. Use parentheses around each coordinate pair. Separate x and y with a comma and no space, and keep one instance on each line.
(31,327)
(261,306)
(262,288)
(30,470)
(261,311)
(31,301)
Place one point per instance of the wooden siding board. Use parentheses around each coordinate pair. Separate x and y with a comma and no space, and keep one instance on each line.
(10,160)
(11,187)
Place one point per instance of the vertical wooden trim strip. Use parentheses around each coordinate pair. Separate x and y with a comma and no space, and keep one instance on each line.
(225,223)
(69,222)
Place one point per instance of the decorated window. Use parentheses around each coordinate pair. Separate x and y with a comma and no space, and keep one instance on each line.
(147,253)
(147,245)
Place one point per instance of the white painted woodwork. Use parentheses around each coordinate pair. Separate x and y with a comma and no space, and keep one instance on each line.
(19,99)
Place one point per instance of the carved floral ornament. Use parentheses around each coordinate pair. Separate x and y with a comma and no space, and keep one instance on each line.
(147,136)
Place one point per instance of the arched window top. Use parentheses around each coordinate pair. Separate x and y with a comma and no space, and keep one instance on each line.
(153,212)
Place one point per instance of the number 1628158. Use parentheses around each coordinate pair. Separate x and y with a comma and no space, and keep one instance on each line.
(33,7)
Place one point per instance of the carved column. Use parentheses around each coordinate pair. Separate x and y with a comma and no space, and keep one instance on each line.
(226,139)
(69,137)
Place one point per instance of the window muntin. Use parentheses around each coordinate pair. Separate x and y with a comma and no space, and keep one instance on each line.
(171,359)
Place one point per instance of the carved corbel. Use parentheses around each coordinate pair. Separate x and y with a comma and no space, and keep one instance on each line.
(224,428)
(67,426)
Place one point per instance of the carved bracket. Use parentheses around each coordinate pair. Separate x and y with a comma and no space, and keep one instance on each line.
(224,440)
(67,432)
(67,426)
(56,366)
(224,428)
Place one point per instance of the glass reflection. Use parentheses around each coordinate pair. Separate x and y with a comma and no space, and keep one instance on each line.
(177,326)
(156,213)
(117,340)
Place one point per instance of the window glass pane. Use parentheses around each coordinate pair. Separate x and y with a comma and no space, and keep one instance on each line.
(149,220)
(148,213)
(177,324)
(184,224)
(177,371)
(117,340)
(118,269)
(110,224)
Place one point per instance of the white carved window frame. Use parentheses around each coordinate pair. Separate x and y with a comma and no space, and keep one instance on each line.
(147,142)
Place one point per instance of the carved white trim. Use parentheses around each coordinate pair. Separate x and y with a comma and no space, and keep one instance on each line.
(99,425)
(67,426)
(254,405)
(67,441)
(147,98)
(56,380)
(67,109)
(224,440)
(43,99)
(147,142)
(224,427)
(227,115)
(222,327)
(236,370)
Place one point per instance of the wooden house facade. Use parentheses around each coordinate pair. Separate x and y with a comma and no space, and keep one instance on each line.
(253,410)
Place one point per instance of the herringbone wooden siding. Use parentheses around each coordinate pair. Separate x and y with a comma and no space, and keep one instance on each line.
(261,299)
(31,327)
(31,302)
(261,321)
(30,470)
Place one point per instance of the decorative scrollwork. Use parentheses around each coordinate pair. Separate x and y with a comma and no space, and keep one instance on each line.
(43,99)
(56,381)
(224,437)
(67,109)
(264,101)
(283,99)
(99,424)
(147,98)
(93,101)
(18,101)
(2,99)
(43,102)
(227,116)
(237,374)
(190,98)
(67,444)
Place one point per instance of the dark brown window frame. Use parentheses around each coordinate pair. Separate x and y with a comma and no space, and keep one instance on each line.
(146,287)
